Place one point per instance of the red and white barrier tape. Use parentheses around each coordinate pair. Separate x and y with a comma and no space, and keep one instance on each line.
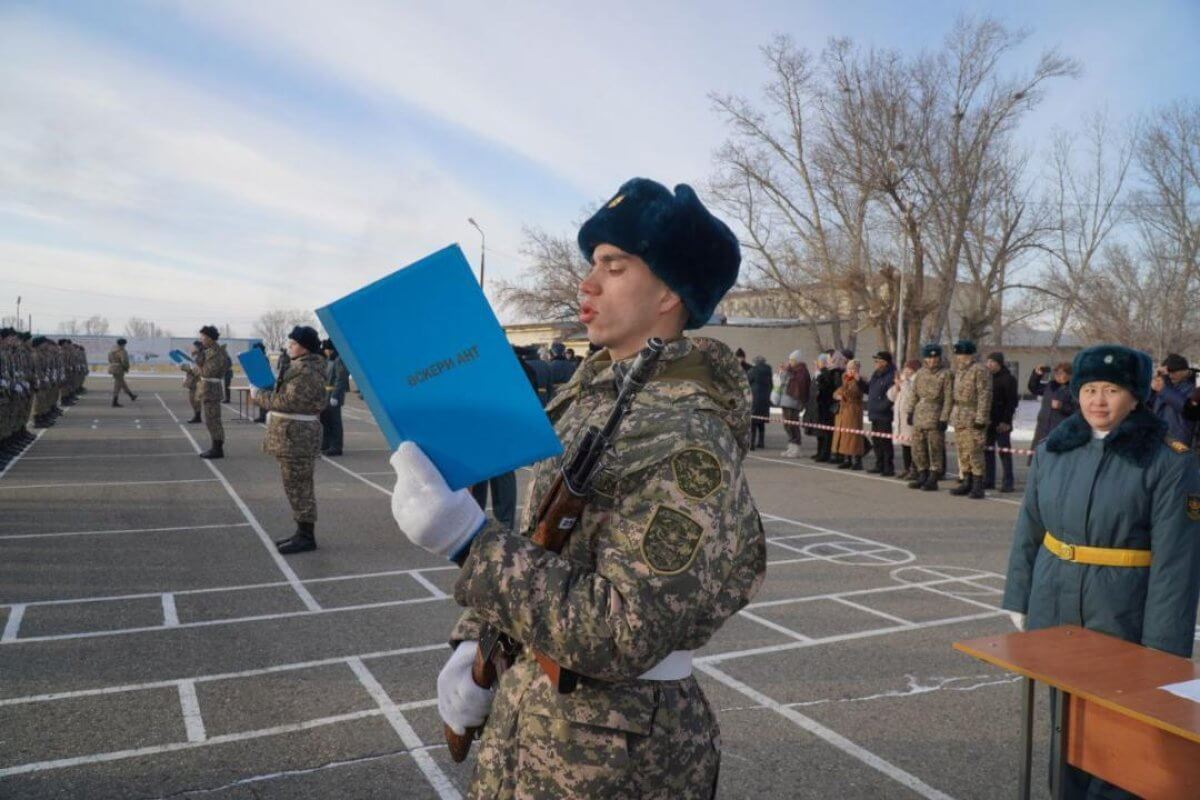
(880,434)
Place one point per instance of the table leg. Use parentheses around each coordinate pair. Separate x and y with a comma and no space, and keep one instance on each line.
(1058,752)
(1023,788)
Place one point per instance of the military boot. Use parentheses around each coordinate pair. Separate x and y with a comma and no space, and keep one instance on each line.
(919,478)
(195,419)
(931,482)
(977,492)
(216,451)
(115,404)
(857,464)
(302,541)
(964,486)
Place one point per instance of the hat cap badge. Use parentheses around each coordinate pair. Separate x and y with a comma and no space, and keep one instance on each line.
(1108,359)
(616,201)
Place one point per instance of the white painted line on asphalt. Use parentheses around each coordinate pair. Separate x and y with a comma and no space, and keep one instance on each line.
(190,705)
(219,676)
(124,530)
(113,455)
(775,626)
(8,467)
(355,475)
(83,485)
(429,768)
(899,587)
(830,736)
(309,601)
(170,615)
(875,611)
(13,625)
(430,585)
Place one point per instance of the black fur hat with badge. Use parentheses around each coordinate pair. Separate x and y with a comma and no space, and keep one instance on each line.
(306,336)
(690,250)
(1114,363)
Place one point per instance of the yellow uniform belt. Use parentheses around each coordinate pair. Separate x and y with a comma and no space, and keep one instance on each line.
(1102,556)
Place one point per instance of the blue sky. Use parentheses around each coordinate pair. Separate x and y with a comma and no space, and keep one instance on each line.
(204,161)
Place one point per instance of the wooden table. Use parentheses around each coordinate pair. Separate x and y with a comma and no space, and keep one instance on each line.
(1111,720)
(244,404)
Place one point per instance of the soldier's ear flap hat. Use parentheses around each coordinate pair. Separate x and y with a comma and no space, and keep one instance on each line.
(964,347)
(930,350)
(1123,366)
(211,332)
(38,340)
(690,250)
(306,337)
(120,341)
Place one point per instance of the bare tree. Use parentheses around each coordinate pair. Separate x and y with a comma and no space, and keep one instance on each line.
(274,326)
(95,325)
(71,327)
(548,289)
(138,328)
(227,331)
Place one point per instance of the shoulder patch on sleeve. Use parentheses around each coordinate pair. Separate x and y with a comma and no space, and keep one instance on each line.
(671,541)
(1177,446)
(697,472)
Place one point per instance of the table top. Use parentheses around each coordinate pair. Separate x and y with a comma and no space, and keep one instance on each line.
(1116,674)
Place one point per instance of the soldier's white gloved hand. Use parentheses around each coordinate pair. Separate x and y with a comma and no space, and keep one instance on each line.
(333,401)
(1018,620)
(461,703)
(431,516)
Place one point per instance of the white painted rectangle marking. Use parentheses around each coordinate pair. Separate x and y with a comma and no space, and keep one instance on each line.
(428,584)
(170,615)
(190,705)
(13,626)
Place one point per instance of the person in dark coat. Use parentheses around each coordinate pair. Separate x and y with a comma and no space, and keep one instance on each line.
(337,383)
(880,412)
(999,431)
(793,399)
(820,405)
(503,487)
(1111,480)
(1169,391)
(760,378)
(1057,402)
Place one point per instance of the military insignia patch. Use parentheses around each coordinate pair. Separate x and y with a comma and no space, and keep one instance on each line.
(697,472)
(1178,447)
(671,541)
(1193,507)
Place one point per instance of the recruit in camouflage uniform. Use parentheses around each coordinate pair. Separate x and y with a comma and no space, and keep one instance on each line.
(670,548)
(210,369)
(933,391)
(190,382)
(294,438)
(118,366)
(16,393)
(970,416)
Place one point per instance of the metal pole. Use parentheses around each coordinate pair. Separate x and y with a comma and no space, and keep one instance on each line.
(1023,787)
(482,248)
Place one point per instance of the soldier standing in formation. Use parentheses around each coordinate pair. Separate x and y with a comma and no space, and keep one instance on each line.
(668,549)
(75,359)
(337,383)
(210,371)
(294,431)
(118,366)
(190,382)
(970,417)
(933,395)
(16,393)
(48,379)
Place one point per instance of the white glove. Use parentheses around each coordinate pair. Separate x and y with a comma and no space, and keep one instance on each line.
(1018,620)
(461,703)
(430,515)
(253,392)
(333,401)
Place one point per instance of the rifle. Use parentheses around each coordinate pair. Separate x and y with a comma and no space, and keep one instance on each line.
(556,518)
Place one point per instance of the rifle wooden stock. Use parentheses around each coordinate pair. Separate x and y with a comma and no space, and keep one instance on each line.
(483,672)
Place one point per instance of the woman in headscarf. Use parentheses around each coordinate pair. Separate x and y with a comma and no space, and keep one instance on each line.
(1108,536)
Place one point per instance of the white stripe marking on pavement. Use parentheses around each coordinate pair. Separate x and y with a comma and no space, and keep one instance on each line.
(124,530)
(190,705)
(75,485)
(13,625)
(170,615)
(18,456)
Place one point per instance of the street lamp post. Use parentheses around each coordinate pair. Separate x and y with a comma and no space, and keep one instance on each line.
(482,248)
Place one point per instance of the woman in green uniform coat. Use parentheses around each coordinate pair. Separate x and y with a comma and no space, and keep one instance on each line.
(1108,480)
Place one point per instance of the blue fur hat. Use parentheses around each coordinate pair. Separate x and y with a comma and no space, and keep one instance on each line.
(964,347)
(689,249)
(1123,366)
(931,349)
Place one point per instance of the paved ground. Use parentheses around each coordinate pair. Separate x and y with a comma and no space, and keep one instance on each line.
(155,645)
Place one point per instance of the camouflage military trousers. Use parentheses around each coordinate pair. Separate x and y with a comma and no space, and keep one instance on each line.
(194,399)
(298,485)
(212,415)
(119,385)
(576,747)
(969,443)
(927,447)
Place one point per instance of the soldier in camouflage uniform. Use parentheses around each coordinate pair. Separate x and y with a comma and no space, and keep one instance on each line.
(210,371)
(669,548)
(970,417)
(14,395)
(118,366)
(294,431)
(933,393)
(190,382)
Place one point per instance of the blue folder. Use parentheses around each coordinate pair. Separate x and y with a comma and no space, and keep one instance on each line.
(180,357)
(257,368)
(435,368)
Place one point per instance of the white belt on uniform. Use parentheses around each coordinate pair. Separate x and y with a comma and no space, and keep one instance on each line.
(675,667)
(298,417)
(213,380)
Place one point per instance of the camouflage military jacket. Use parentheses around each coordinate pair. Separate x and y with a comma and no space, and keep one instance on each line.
(670,547)
(300,390)
(933,395)
(212,362)
(972,397)
(118,361)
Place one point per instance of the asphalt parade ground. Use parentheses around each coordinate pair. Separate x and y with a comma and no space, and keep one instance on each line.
(154,644)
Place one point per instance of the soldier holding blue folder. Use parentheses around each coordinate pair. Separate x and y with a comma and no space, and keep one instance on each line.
(210,367)
(669,547)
